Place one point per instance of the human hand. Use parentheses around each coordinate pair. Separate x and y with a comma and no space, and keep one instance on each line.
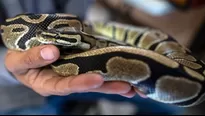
(28,68)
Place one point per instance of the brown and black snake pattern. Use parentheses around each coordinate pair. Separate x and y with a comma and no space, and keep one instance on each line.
(148,59)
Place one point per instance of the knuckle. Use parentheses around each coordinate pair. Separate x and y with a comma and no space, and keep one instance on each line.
(29,60)
(9,67)
(32,59)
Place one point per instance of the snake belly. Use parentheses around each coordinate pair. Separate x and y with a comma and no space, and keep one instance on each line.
(147,58)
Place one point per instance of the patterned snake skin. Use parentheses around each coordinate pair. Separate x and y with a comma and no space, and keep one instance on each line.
(146,58)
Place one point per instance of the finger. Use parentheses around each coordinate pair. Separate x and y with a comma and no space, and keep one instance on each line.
(113,88)
(72,84)
(33,58)
(140,93)
(130,94)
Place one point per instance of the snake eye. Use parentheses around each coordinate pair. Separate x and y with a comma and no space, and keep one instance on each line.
(57,36)
(18,30)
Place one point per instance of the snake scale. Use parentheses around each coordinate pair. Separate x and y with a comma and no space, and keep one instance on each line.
(147,58)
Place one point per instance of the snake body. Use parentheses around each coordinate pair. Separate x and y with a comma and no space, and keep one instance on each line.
(147,58)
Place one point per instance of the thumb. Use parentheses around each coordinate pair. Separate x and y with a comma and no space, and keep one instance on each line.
(36,57)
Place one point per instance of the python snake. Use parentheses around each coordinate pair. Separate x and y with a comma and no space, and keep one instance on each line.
(147,58)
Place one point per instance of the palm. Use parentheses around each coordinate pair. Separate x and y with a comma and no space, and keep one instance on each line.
(27,68)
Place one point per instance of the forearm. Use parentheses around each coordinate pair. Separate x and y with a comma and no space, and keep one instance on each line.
(6,79)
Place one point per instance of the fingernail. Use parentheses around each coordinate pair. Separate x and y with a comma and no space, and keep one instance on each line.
(47,54)
(99,81)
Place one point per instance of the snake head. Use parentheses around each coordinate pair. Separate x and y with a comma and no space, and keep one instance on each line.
(56,37)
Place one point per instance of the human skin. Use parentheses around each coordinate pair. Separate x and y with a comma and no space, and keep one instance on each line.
(27,68)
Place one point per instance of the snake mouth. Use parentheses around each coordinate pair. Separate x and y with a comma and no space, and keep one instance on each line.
(66,51)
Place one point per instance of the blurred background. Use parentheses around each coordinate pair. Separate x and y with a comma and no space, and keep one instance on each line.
(182,19)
